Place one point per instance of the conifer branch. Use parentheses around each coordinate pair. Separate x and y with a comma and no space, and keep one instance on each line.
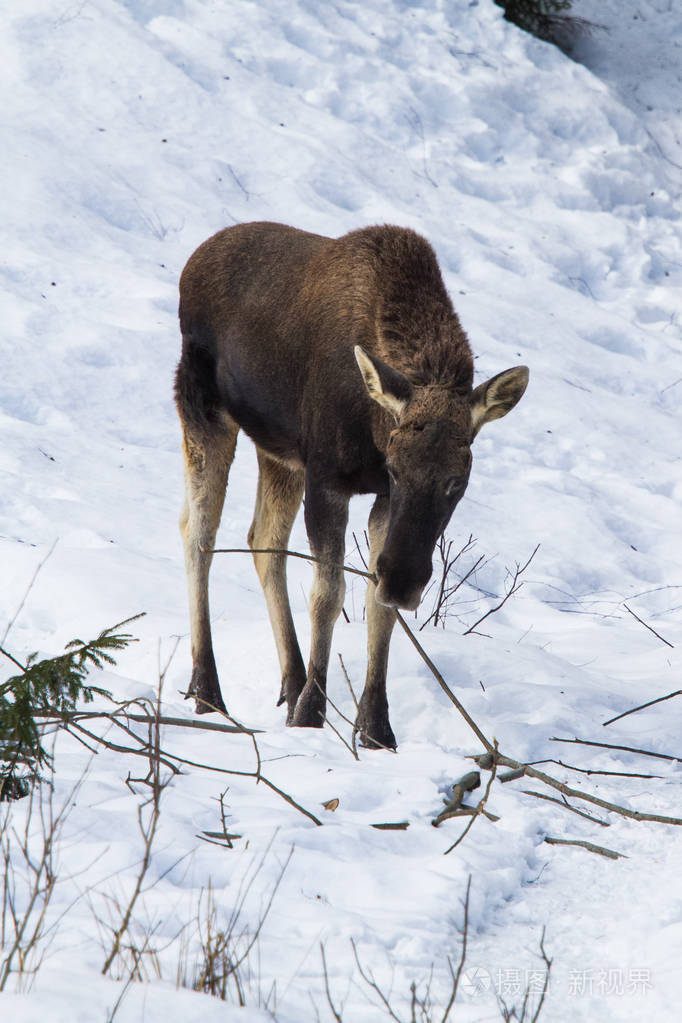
(50,688)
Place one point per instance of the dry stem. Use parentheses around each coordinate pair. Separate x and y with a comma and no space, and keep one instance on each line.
(643,706)
(590,846)
(478,810)
(626,749)
(642,622)
(148,816)
(514,588)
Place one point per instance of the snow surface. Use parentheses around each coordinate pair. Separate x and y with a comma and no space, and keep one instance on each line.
(131,131)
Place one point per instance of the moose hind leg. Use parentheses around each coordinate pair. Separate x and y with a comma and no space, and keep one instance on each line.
(372,722)
(278,499)
(208,455)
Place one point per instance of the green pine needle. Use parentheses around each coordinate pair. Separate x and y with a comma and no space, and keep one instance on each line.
(52,686)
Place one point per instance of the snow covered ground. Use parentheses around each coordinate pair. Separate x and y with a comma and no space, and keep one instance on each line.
(131,131)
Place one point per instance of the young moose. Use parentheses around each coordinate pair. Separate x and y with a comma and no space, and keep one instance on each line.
(344,361)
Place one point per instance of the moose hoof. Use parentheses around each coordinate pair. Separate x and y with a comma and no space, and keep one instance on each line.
(204,706)
(376,735)
(206,694)
(292,686)
(309,711)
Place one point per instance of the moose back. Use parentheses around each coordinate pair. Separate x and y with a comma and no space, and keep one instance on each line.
(345,363)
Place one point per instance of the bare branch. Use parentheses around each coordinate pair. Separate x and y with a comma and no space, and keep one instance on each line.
(445,590)
(31,584)
(146,719)
(567,806)
(548,965)
(590,846)
(14,661)
(514,588)
(643,706)
(222,837)
(590,771)
(478,811)
(352,749)
(642,622)
(392,826)
(172,760)
(462,958)
(513,1014)
(335,1014)
(626,749)
(349,683)
(148,827)
(467,783)
(259,778)
(289,554)
(442,683)
(369,980)
(486,760)
(358,549)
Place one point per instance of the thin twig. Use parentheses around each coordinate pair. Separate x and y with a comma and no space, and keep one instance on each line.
(325,972)
(27,591)
(250,774)
(359,551)
(445,592)
(548,964)
(13,659)
(352,749)
(567,806)
(642,622)
(589,770)
(443,684)
(148,829)
(462,958)
(626,749)
(349,683)
(642,706)
(172,760)
(478,811)
(290,554)
(371,983)
(115,748)
(514,588)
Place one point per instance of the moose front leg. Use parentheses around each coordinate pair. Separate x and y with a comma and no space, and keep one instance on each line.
(326,517)
(372,722)
(278,498)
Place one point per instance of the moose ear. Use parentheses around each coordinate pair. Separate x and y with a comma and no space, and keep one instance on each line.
(384,384)
(497,396)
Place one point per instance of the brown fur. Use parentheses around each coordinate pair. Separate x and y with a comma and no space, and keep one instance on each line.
(279,329)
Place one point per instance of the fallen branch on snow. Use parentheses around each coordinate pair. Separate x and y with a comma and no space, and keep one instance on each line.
(643,706)
(590,846)
(486,761)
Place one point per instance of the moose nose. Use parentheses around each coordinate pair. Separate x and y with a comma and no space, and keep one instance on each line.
(408,603)
(396,590)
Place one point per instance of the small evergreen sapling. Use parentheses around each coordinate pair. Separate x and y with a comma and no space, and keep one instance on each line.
(53,687)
